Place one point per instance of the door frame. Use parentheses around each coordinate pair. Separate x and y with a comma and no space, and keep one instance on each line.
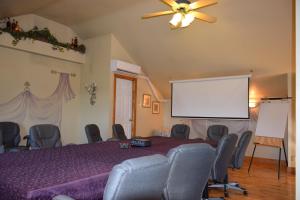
(134,100)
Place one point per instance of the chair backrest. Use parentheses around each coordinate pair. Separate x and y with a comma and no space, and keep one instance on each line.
(118,132)
(224,153)
(240,150)
(190,169)
(140,178)
(92,133)
(10,134)
(62,197)
(216,132)
(1,142)
(180,131)
(44,136)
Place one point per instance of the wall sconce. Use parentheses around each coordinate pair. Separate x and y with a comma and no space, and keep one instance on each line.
(253,102)
(91,89)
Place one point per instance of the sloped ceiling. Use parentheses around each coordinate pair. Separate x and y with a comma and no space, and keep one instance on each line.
(249,35)
(68,12)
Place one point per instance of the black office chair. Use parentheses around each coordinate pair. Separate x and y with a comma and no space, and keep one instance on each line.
(93,133)
(216,132)
(219,173)
(190,169)
(180,131)
(10,136)
(238,159)
(1,142)
(140,178)
(44,136)
(118,132)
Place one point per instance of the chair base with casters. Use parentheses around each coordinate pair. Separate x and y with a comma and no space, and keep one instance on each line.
(236,163)
(228,186)
(205,195)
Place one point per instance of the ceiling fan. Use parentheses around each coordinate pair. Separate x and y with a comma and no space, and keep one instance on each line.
(184,12)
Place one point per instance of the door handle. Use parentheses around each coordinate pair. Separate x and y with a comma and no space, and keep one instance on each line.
(130,120)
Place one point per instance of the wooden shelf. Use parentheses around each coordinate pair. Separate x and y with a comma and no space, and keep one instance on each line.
(41,48)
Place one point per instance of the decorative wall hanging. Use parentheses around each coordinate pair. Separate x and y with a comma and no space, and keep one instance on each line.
(36,110)
(91,89)
(44,35)
(155,107)
(146,101)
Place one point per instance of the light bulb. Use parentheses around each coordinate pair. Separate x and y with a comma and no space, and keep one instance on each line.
(187,20)
(176,19)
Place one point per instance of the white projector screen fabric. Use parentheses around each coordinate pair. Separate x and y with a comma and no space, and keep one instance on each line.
(222,97)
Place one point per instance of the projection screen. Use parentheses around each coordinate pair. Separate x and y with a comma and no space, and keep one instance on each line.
(221,97)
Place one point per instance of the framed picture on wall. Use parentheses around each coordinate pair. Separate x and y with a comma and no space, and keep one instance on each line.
(147,101)
(155,107)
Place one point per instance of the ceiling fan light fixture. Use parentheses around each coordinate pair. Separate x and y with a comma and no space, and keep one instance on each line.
(176,19)
(187,20)
(184,12)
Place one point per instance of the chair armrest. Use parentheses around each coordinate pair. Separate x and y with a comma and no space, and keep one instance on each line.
(27,138)
(112,139)
(2,150)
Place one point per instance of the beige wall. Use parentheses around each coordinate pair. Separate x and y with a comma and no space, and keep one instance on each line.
(147,122)
(17,67)
(97,69)
(100,51)
(78,112)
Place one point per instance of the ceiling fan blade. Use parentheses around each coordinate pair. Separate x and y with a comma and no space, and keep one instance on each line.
(201,4)
(157,14)
(204,17)
(171,3)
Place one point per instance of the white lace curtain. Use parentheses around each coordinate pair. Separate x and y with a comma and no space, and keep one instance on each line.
(35,110)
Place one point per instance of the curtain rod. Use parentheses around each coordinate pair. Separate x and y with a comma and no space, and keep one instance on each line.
(276,98)
(57,72)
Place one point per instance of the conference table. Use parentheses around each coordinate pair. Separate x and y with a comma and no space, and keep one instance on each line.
(79,171)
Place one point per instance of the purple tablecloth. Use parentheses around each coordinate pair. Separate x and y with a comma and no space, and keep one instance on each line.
(79,171)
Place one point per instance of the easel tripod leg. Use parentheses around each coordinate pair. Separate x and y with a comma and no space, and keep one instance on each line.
(251,158)
(286,160)
(279,160)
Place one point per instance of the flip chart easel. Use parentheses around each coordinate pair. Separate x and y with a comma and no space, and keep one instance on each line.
(271,125)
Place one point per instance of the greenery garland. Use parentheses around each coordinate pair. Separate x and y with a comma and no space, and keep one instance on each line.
(43,35)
